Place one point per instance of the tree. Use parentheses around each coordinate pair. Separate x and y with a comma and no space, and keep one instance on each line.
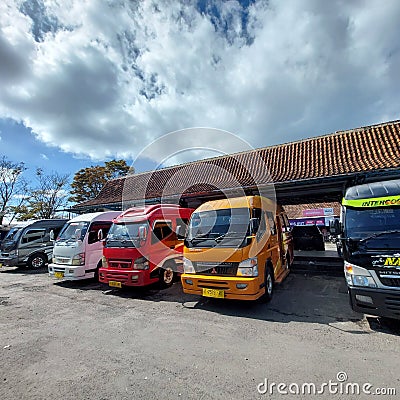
(89,181)
(12,185)
(49,197)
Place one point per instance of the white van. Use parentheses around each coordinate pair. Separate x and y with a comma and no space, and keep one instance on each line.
(78,249)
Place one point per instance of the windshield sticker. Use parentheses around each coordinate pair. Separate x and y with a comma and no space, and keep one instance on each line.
(373,202)
(387,261)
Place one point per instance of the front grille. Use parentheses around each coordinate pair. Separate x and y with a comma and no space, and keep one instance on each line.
(215,268)
(393,282)
(120,264)
(62,260)
(117,277)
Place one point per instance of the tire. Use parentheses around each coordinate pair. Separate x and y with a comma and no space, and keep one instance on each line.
(96,273)
(37,261)
(167,276)
(269,285)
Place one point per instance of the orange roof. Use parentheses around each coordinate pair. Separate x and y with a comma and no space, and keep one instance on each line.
(364,149)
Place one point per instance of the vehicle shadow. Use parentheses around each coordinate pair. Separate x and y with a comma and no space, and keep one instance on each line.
(23,270)
(384,325)
(300,298)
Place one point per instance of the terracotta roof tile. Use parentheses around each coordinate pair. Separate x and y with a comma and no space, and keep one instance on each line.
(364,149)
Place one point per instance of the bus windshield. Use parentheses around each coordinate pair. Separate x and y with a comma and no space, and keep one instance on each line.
(364,222)
(14,234)
(70,230)
(125,234)
(224,227)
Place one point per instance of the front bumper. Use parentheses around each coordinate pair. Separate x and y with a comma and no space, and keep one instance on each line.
(10,261)
(253,290)
(69,272)
(126,277)
(385,303)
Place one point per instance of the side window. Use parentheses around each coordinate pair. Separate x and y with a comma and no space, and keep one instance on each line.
(161,230)
(93,235)
(56,230)
(33,235)
(262,227)
(183,223)
(271,222)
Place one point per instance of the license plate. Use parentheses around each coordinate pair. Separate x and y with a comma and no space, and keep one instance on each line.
(219,294)
(115,284)
(59,275)
(1,265)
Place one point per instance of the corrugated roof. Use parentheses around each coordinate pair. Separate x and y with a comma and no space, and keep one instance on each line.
(363,149)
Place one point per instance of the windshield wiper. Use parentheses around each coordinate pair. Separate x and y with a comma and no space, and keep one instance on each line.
(379,234)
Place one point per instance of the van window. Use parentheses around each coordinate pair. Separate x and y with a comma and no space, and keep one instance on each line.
(183,223)
(271,222)
(93,235)
(32,235)
(161,230)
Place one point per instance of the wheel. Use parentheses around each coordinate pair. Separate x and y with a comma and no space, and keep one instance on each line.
(36,261)
(167,276)
(269,285)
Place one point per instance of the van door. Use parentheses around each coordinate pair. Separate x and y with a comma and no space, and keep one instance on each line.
(274,243)
(31,241)
(94,247)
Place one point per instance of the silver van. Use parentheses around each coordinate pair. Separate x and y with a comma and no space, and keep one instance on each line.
(29,243)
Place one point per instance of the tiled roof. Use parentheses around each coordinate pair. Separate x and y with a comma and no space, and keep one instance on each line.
(368,148)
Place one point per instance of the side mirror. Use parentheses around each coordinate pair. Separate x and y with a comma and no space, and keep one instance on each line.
(142,233)
(51,236)
(334,227)
(78,233)
(254,225)
(100,235)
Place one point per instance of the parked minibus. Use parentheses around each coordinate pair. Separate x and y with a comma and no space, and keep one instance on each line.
(79,247)
(237,248)
(144,246)
(30,243)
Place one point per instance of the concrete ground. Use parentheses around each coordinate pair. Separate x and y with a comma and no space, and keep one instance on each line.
(61,340)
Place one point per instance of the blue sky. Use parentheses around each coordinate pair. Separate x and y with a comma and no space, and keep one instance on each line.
(85,82)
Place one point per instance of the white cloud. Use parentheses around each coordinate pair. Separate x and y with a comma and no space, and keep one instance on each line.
(106,78)
(44,156)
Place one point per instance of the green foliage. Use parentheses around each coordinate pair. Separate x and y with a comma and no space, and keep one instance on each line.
(89,181)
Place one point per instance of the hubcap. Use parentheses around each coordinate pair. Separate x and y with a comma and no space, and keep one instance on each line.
(37,262)
(168,275)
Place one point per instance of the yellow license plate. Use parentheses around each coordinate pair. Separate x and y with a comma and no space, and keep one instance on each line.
(219,294)
(59,275)
(115,284)
(1,265)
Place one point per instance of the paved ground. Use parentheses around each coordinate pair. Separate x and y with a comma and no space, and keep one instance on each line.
(79,341)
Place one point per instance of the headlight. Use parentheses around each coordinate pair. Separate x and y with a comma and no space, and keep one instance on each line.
(358,276)
(78,259)
(248,267)
(141,263)
(188,266)
(104,262)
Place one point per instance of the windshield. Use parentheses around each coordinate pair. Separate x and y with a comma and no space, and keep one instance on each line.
(225,227)
(125,234)
(365,222)
(14,234)
(69,231)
